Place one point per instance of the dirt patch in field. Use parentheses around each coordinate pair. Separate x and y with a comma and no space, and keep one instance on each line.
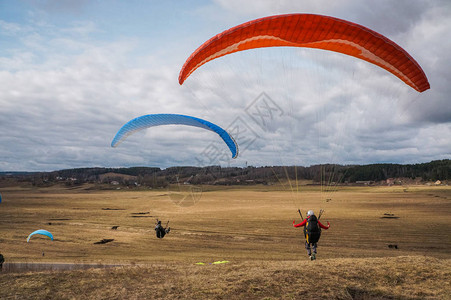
(358,293)
(107,208)
(104,241)
(389,216)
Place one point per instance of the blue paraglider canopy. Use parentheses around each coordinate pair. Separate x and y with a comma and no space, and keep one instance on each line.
(42,232)
(147,121)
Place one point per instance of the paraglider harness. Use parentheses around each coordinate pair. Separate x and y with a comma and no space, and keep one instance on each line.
(312,231)
(160,231)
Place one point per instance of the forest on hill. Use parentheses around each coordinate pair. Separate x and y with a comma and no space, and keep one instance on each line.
(439,170)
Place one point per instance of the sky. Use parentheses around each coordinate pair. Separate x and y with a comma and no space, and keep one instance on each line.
(72,73)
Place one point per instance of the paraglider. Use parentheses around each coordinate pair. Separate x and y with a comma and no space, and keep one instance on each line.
(311,31)
(161,231)
(41,232)
(147,121)
(312,232)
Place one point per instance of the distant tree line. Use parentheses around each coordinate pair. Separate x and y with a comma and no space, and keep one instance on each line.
(156,177)
(432,171)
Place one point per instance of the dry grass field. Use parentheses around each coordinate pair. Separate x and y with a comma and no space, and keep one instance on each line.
(248,226)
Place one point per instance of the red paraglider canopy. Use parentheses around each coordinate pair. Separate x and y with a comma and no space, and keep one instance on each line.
(311,31)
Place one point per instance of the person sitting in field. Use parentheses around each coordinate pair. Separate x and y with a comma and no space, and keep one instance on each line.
(312,232)
(160,231)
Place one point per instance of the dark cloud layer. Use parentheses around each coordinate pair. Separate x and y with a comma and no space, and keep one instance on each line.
(69,85)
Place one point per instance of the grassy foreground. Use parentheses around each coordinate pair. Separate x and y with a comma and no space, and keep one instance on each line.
(404,277)
(248,226)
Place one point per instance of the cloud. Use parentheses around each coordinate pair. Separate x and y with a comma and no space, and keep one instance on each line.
(69,85)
